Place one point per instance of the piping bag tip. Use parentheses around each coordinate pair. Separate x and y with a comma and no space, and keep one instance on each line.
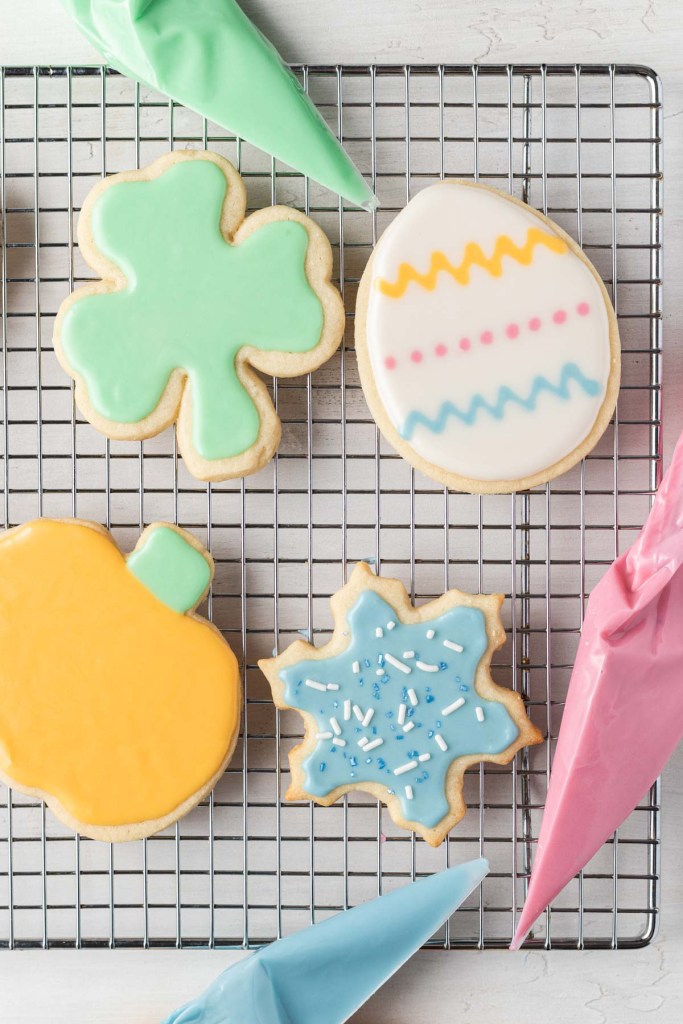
(328,971)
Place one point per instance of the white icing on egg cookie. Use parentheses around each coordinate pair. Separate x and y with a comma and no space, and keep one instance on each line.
(487,344)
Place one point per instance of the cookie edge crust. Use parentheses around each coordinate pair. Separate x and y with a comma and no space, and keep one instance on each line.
(393,591)
(455,481)
(175,405)
(142,829)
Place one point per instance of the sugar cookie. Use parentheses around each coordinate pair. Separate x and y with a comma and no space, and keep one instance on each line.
(193,299)
(487,345)
(118,704)
(400,702)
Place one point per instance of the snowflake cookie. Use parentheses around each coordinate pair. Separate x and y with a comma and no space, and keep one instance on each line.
(400,702)
(192,300)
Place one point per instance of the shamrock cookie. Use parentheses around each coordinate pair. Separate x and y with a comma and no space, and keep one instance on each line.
(193,299)
(487,345)
(400,702)
(118,705)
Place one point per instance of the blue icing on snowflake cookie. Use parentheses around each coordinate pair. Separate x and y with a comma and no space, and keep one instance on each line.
(398,704)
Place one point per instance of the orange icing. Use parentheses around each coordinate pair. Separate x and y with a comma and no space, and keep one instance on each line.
(474,256)
(112,703)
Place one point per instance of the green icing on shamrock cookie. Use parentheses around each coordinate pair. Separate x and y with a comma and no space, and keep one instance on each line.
(191,301)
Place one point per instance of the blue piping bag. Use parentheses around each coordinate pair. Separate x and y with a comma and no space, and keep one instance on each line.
(323,974)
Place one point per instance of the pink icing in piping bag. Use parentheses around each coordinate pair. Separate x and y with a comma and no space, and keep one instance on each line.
(624,711)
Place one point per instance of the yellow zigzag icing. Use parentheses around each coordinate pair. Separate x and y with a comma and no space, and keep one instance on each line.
(474,257)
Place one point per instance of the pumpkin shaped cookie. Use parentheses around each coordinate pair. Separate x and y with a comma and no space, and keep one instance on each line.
(119,706)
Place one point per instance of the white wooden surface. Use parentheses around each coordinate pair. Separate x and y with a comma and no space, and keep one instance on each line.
(494,988)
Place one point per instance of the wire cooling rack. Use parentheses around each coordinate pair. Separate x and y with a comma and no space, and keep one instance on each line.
(581,143)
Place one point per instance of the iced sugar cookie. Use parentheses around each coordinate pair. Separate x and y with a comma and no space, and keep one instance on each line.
(118,705)
(400,702)
(193,299)
(487,345)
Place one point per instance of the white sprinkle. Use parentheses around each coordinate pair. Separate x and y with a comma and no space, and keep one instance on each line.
(409,792)
(440,742)
(379,632)
(368,717)
(412,697)
(398,664)
(375,743)
(323,735)
(356,667)
(347,710)
(333,686)
(408,726)
(358,712)
(335,726)
(315,686)
(379,671)
(453,707)
(402,713)
(339,743)
(430,634)
(409,654)
(391,625)
(424,666)
(425,757)
(480,714)
(362,742)
(453,646)
(407,767)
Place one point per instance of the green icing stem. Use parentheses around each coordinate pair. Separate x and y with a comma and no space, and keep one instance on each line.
(192,301)
(209,56)
(171,568)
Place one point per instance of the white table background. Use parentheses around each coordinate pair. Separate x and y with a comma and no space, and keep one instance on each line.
(490,987)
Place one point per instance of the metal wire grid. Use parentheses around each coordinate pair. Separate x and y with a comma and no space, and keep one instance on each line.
(581,143)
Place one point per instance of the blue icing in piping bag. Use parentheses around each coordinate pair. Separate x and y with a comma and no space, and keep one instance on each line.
(323,974)
(207,55)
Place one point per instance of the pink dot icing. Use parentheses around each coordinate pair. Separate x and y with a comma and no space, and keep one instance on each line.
(583,309)
(390,363)
(416,356)
(534,324)
(486,338)
(465,344)
(441,350)
(512,330)
(559,316)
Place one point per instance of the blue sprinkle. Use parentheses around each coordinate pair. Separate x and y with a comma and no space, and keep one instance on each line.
(353,762)
(366,662)
(361,681)
(464,688)
(443,665)
(428,689)
(392,727)
(374,730)
(381,764)
(335,704)
(385,678)
(430,734)
(380,660)
(400,736)
(438,723)
(458,679)
(368,760)
(425,775)
(419,780)
(389,714)
(410,712)
(413,753)
(429,698)
(322,766)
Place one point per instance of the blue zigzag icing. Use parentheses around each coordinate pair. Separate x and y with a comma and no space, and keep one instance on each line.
(506,396)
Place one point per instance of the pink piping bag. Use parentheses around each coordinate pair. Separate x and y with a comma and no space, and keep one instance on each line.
(623,716)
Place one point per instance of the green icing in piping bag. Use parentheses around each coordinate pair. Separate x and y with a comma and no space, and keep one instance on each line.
(207,55)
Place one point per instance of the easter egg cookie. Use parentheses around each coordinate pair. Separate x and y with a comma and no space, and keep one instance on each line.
(487,345)
(400,702)
(119,706)
(192,300)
